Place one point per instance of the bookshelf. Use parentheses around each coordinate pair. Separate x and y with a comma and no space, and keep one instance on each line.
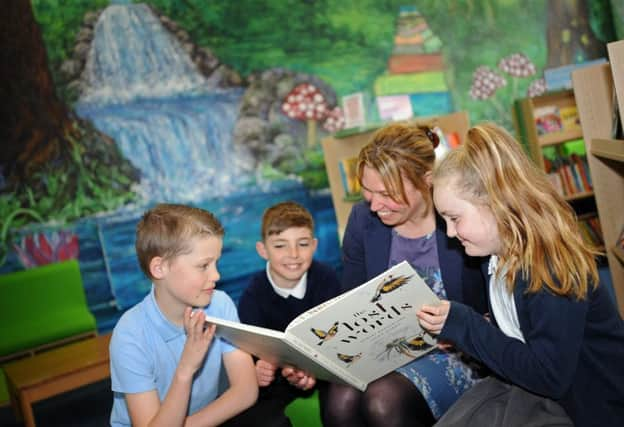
(594,89)
(347,145)
(540,126)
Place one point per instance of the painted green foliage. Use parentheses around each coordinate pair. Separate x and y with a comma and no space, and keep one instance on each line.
(347,42)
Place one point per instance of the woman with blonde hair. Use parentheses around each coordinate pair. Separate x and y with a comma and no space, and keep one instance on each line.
(554,331)
(397,222)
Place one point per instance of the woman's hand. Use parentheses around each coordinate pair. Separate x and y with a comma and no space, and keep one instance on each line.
(433,317)
(298,378)
(265,372)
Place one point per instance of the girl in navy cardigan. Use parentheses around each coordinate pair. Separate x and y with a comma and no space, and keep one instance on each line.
(554,331)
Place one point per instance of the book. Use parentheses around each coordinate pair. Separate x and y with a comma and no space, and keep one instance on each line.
(348,176)
(547,119)
(354,110)
(351,339)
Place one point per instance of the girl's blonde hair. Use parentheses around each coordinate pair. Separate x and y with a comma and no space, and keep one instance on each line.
(400,150)
(538,230)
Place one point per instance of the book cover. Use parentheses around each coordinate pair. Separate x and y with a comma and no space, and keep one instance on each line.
(354,110)
(354,338)
(569,118)
(547,119)
(348,177)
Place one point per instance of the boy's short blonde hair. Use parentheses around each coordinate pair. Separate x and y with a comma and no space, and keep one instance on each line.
(285,215)
(168,229)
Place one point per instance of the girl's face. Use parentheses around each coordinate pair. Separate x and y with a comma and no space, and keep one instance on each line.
(390,212)
(474,225)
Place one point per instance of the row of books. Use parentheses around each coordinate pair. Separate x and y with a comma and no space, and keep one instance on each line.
(552,118)
(591,231)
(569,175)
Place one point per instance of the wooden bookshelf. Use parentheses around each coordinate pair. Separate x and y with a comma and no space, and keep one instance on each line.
(525,112)
(336,148)
(594,87)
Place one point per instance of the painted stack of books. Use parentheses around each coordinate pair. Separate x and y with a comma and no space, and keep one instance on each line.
(414,83)
(569,175)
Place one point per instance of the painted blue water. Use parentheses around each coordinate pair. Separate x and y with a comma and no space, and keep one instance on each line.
(176,128)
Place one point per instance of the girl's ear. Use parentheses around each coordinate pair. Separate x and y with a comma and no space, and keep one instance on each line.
(158,267)
(262,251)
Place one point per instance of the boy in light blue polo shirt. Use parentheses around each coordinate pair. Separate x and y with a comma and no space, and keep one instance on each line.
(165,363)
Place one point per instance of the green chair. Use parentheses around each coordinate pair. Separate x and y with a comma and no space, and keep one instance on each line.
(41,307)
(305,411)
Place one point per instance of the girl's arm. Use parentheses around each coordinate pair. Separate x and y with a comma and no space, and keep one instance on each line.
(241,394)
(553,328)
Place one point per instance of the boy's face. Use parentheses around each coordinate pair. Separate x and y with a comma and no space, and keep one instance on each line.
(474,225)
(188,279)
(289,254)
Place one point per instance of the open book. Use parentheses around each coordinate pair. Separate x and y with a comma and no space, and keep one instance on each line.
(354,338)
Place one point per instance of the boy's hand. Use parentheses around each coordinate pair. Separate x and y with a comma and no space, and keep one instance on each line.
(298,378)
(433,317)
(265,372)
(198,339)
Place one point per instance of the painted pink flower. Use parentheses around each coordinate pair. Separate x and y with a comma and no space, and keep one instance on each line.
(334,120)
(536,88)
(517,65)
(485,82)
(40,249)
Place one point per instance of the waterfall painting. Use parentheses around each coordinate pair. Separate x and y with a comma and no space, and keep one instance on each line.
(113,106)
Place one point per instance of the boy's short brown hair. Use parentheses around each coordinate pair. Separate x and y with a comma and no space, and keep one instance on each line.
(285,215)
(166,231)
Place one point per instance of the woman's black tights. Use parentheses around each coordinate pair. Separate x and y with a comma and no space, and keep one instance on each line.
(391,401)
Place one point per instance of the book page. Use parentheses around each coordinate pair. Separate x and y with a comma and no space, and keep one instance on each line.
(372,329)
(273,347)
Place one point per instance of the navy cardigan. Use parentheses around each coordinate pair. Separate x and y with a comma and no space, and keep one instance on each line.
(259,305)
(366,252)
(574,351)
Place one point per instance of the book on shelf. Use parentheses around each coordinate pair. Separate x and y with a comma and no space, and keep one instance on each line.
(591,231)
(348,176)
(569,174)
(351,339)
(547,119)
(569,118)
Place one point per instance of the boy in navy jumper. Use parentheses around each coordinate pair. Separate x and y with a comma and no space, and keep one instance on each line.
(291,284)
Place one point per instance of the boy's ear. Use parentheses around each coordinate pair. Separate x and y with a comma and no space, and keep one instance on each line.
(261,249)
(314,244)
(157,267)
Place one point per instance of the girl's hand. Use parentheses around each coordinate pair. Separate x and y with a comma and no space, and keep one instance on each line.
(265,372)
(298,378)
(198,339)
(433,317)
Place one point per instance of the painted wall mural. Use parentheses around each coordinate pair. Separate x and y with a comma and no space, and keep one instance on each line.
(112,106)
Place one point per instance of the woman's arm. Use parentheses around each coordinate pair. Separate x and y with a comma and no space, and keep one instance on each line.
(353,260)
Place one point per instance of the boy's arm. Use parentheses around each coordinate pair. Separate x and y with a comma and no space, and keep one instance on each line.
(241,394)
(145,409)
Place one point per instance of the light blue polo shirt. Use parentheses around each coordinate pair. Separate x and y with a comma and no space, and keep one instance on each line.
(145,349)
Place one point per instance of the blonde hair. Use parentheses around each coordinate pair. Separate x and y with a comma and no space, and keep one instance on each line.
(538,231)
(285,215)
(168,229)
(397,151)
